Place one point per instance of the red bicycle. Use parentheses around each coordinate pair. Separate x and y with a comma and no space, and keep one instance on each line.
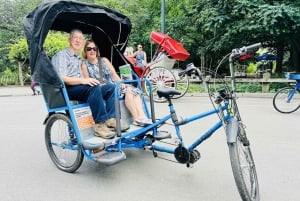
(160,71)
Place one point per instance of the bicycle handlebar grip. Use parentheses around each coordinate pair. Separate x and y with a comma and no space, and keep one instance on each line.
(244,50)
(251,47)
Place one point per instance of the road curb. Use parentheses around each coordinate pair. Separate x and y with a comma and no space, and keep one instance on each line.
(253,95)
(6,91)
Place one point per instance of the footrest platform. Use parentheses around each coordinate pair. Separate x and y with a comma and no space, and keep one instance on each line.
(93,142)
(110,157)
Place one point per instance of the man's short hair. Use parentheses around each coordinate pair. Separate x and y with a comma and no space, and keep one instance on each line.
(75,31)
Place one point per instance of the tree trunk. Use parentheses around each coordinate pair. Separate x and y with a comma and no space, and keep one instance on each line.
(21,78)
(295,55)
(202,63)
(279,60)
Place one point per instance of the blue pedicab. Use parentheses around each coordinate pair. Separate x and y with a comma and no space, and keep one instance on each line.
(69,135)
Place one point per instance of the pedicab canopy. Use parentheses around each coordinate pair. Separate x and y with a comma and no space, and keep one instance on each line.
(171,46)
(108,28)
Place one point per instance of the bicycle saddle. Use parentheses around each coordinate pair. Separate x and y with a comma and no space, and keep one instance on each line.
(167,92)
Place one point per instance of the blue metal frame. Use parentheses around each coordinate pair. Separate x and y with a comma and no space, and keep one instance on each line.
(296,77)
(136,138)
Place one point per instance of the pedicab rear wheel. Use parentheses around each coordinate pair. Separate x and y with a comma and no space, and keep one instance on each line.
(61,143)
(182,83)
(159,77)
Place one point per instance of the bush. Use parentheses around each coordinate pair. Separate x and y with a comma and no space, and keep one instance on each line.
(9,77)
(240,87)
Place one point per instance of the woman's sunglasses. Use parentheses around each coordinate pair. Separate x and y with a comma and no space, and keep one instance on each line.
(91,48)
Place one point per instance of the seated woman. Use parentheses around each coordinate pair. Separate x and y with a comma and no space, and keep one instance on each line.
(108,75)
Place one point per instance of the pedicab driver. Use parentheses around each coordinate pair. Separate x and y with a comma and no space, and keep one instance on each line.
(100,98)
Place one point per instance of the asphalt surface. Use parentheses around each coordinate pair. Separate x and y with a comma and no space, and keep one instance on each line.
(27,173)
(15,91)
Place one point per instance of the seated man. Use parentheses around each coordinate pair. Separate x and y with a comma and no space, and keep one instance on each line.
(100,98)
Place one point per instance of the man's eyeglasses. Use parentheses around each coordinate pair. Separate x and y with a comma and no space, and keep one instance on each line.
(91,48)
(77,38)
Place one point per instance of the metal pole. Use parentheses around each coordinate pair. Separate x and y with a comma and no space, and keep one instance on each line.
(163,16)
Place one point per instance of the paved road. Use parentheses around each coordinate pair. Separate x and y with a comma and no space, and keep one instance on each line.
(27,174)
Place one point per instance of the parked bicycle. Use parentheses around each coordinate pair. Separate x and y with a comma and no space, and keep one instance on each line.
(249,65)
(69,134)
(287,99)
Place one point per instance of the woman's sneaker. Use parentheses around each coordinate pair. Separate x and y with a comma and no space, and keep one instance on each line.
(111,123)
(142,122)
(101,130)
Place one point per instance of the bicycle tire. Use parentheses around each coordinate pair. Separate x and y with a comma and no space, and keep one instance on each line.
(182,84)
(61,143)
(159,77)
(280,102)
(243,168)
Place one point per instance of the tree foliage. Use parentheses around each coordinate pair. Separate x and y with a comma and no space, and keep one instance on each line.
(11,29)
(54,42)
(19,51)
(207,28)
(227,24)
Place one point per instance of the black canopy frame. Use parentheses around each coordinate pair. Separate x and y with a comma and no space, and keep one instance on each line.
(108,28)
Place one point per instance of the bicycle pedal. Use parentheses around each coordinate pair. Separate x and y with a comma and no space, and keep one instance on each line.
(160,135)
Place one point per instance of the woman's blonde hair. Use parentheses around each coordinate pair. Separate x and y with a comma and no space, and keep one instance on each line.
(84,49)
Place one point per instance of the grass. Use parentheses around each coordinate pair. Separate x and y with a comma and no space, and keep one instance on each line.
(240,87)
(196,88)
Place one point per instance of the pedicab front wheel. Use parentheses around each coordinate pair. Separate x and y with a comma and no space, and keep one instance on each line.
(243,167)
(61,143)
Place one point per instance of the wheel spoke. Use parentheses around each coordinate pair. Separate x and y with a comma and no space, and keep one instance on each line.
(286,100)
(61,143)
(159,77)
(247,169)
(243,167)
(182,83)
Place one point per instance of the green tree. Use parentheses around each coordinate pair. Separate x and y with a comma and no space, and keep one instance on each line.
(12,13)
(55,42)
(19,53)
(228,24)
(144,16)
(208,28)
